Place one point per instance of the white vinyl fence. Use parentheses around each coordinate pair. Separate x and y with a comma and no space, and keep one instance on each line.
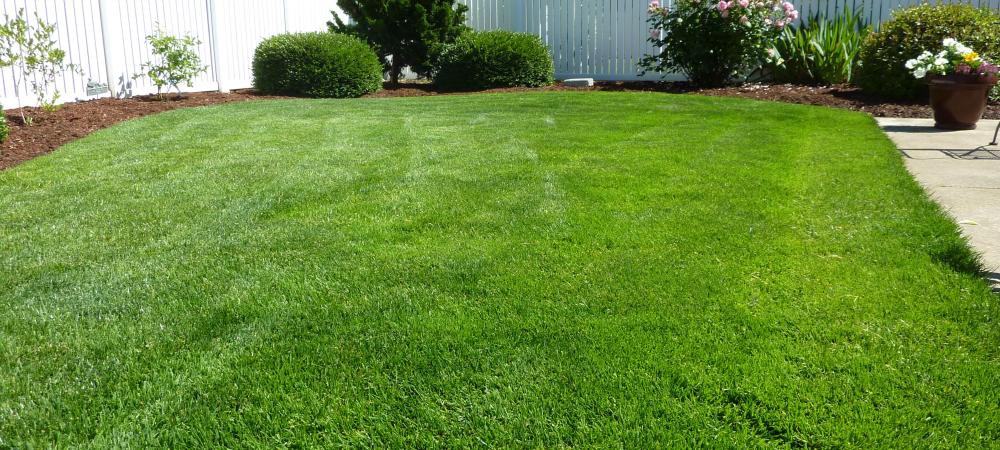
(106,38)
(876,11)
(603,39)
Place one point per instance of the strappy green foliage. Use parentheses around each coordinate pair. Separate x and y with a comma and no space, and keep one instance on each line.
(820,51)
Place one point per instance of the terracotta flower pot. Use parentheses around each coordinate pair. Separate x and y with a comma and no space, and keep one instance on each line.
(959,101)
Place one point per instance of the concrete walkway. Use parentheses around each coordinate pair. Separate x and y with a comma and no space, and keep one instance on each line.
(961,172)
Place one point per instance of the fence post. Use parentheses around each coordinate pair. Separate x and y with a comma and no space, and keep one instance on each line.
(284,10)
(214,45)
(113,53)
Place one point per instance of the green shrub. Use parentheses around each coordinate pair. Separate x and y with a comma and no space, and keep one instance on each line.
(4,129)
(820,51)
(490,59)
(884,54)
(316,65)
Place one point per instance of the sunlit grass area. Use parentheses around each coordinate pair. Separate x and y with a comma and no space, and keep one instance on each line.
(526,270)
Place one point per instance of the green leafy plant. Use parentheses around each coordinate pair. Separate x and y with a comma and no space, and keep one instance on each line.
(491,59)
(316,65)
(404,33)
(30,49)
(4,128)
(819,51)
(714,43)
(176,62)
(882,61)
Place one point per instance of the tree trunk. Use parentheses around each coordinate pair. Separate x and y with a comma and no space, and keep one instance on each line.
(17,93)
(394,71)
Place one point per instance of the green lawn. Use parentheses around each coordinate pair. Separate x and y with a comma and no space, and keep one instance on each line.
(523,270)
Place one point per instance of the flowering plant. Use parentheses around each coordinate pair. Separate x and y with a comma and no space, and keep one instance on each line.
(955,58)
(714,43)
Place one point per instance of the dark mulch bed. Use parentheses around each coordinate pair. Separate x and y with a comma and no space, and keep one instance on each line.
(837,97)
(75,120)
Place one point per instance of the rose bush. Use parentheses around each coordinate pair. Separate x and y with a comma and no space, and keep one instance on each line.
(714,43)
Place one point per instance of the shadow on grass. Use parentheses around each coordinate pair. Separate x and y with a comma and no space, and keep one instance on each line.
(957,255)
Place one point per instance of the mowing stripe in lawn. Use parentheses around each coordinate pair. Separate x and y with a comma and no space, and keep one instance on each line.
(542,269)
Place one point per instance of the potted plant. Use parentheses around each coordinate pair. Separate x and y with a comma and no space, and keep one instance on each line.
(960,81)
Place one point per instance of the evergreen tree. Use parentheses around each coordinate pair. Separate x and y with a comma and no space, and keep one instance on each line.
(403,32)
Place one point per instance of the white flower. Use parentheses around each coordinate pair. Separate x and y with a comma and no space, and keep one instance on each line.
(940,61)
(912,63)
(948,42)
(920,72)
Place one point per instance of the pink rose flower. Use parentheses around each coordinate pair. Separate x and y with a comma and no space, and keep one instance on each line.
(744,3)
(788,6)
(723,6)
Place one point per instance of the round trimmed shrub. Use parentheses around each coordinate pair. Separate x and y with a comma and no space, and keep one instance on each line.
(881,66)
(316,65)
(492,59)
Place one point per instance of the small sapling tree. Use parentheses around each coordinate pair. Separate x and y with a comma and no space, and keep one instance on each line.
(175,62)
(31,50)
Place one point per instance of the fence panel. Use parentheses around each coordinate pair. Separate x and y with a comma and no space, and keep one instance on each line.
(242,24)
(603,39)
(875,12)
(141,18)
(106,39)
(78,33)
